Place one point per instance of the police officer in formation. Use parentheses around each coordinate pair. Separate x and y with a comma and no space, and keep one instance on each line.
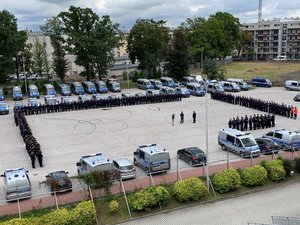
(112,101)
(254,122)
(32,146)
(258,104)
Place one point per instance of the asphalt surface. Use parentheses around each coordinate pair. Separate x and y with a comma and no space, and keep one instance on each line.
(117,132)
(256,208)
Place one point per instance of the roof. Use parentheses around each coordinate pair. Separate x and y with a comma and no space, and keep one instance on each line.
(95,159)
(123,162)
(234,132)
(152,149)
(15,174)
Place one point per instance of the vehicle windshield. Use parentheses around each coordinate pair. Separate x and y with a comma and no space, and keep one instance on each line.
(128,167)
(170,91)
(103,85)
(59,175)
(33,88)
(234,84)
(171,82)
(2,104)
(248,142)
(160,157)
(199,88)
(268,80)
(65,89)
(219,87)
(51,89)
(51,100)
(148,83)
(158,83)
(90,85)
(17,90)
(116,85)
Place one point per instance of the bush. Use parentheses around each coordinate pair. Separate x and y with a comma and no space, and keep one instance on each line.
(275,170)
(59,216)
(192,189)
(297,165)
(288,166)
(228,180)
(254,176)
(113,207)
(137,75)
(22,221)
(84,213)
(147,198)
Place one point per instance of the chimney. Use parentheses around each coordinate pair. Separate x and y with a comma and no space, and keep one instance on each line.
(259,10)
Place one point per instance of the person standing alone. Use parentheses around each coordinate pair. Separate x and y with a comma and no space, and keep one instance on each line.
(173,118)
(181,117)
(194,117)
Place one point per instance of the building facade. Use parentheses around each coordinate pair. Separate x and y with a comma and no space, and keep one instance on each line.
(273,38)
(122,62)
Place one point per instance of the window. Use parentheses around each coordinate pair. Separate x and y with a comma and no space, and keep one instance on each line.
(142,154)
(278,135)
(230,138)
(270,134)
(238,143)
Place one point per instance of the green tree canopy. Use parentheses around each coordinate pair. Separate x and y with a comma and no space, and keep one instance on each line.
(177,60)
(147,43)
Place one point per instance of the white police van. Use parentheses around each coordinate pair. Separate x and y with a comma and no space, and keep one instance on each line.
(93,162)
(292,85)
(238,142)
(286,139)
(17,184)
(152,159)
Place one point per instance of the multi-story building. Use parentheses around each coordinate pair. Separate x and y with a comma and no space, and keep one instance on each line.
(122,62)
(274,38)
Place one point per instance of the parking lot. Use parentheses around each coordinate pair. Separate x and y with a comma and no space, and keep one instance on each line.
(116,132)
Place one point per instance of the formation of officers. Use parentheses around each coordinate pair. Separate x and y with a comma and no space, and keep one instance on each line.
(258,104)
(32,146)
(254,122)
(101,103)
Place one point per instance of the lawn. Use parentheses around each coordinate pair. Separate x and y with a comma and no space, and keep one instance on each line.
(275,71)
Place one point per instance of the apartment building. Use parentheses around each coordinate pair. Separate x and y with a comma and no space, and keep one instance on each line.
(273,38)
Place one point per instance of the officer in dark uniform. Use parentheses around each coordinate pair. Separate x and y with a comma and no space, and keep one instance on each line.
(230,123)
(194,117)
(246,123)
(181,117)
(250,122)
(32,157)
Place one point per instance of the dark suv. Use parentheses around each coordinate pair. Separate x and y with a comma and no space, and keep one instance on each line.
(267,145)
(192,155)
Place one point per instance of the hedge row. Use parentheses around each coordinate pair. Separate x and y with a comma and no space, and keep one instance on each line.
(226,181)
(83,213)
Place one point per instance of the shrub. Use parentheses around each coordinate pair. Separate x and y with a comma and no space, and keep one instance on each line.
(254,176)
(288,167)
(147,198)
(59,216)
(113,207)
(297,165)
(192,189)
(22,221)
(228,180)
(275,170)
(84,213)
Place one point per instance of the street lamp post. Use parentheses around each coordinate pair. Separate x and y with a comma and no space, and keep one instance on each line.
(202,50)
(206,131)
(25,75)
(127,74)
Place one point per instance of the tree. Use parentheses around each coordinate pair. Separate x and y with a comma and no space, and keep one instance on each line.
(107,38)
(38,62)
(147,43)
(53,28)
(11,42)
(245,43)
(177,60)
(213,70)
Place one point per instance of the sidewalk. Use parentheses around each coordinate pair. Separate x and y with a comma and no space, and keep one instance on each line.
(129,186)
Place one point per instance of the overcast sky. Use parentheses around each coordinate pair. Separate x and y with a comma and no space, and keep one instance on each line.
(32,13)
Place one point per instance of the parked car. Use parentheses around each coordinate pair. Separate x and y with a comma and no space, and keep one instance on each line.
(77,88)
(261,82)
(49,89)
(144,84)
(125,168)
(3,108)
(33,91)
(168,81)
(267,145)
(101,86)
(1,94)
(156,84)
(66,99)
(114,85)
(18,105)
(165,90)
(151,92)
(193,156)
(64,90)
(89,87)
(17,93)
(59,181)
(84,98)
(292,85)
(297,98)
(33,102)
(183,91)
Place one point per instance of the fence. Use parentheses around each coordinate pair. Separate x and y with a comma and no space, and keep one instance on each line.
(83,192)
(283,220)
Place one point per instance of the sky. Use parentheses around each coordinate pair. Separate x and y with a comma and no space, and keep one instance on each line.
(31,14)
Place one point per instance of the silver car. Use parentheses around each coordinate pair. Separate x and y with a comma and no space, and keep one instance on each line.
(125,169)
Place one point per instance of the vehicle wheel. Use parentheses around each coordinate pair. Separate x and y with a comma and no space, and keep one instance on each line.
(134,162)
(223,147)
(283,147)
(190,163)
(242,154)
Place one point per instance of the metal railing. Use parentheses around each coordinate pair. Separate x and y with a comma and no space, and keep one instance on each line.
(284,220)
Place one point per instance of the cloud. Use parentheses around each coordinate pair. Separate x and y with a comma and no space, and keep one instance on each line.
(33,13)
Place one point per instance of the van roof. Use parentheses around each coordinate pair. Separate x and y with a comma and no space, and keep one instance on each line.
(15,174)
(95,160)
(235,132)
(152,149)
(166,78)
(194,84)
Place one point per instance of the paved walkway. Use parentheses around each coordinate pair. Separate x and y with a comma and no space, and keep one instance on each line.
(129,185)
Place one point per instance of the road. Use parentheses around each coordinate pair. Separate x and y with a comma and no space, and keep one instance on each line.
(256,207)
(116,132)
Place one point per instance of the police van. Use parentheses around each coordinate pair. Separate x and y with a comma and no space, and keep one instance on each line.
(33,91)
(292,85)
(286,139)
(89,87)
(196,89)
(168,81)
(230,86)
(152,158)
(144,84)
(49,89)
(17,93)
(238,142)
(167,91)
(77,88)
(93,162)
(17,184)
(243,85)
(187,80)
(213,87)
